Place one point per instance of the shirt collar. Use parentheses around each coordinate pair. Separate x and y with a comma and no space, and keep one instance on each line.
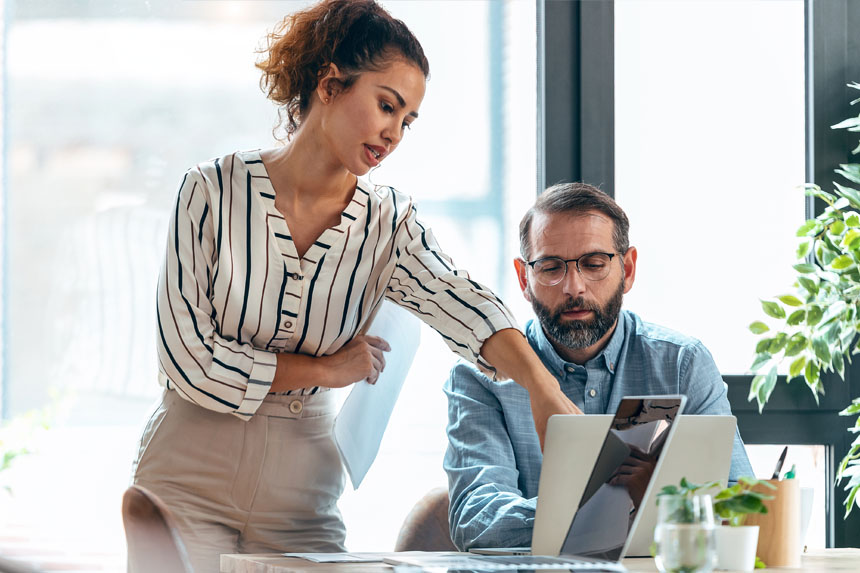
(608,358)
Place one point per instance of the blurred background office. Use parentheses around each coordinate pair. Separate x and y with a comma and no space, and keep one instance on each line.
(701,117)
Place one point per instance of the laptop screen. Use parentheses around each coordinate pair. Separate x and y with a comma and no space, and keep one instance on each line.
(621,477)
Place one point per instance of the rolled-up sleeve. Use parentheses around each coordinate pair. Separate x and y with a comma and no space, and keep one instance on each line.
(427,283)
(707,394)
(217,373)
(487,506)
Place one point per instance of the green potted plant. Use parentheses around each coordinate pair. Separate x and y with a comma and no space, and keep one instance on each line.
(814,328)
(735,543)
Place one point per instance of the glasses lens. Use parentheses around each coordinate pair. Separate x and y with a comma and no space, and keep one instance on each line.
(549,271)
(595,267)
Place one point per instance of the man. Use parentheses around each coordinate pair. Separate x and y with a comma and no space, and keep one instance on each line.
(576,266)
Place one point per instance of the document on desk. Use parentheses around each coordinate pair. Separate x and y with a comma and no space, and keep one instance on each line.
(361,423)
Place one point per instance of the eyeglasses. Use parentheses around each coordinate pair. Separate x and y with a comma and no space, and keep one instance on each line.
(550,271)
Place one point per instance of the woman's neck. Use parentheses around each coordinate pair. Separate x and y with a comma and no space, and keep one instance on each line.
(305,170)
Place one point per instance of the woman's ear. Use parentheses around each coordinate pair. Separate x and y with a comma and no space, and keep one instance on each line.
(330,85)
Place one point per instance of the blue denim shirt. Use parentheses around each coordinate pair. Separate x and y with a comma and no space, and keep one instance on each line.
(494,457)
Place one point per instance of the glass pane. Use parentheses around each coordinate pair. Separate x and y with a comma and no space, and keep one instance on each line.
(709,139)
(108,103)
(809,469)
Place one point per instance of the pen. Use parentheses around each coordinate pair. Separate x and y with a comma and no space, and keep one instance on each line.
(779,463)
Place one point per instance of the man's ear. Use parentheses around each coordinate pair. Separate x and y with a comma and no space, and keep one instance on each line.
(330,84)
(630,268)
(522,269)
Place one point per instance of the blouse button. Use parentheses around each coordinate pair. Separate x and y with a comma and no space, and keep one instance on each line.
(592,392)
(295,276)
(288,324)
(296,406)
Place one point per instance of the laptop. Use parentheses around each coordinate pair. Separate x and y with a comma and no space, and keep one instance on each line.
(570,446)
(611,501)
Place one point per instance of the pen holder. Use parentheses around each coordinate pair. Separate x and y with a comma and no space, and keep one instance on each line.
(779,534)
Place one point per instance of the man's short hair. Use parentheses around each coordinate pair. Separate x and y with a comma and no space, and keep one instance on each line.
(576,199)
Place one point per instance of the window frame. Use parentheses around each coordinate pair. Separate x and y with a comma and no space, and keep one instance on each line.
(577,144)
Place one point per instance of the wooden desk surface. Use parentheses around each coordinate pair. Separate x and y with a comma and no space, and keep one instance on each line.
(820,561)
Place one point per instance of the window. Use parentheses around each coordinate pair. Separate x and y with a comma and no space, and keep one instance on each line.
(596,48)
(108,103)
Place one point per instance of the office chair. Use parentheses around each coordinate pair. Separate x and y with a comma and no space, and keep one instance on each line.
(154,544)
(426,526)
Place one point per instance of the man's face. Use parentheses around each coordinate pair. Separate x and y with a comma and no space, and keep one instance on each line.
(576,313)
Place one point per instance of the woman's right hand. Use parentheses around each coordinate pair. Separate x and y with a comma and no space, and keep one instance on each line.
(361,358)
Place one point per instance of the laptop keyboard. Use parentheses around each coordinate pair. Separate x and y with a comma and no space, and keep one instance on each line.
(539,562)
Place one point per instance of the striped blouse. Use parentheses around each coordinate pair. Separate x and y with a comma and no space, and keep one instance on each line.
(233,291)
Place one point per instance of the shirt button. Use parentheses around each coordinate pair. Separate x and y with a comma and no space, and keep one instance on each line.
(295,276)
(288,324)
(296,406)
(569,369)
(592,392)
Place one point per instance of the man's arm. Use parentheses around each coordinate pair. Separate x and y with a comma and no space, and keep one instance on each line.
(707,394)
(487,506)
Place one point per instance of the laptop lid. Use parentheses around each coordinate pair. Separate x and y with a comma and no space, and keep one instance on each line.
(622,477)
(572,445)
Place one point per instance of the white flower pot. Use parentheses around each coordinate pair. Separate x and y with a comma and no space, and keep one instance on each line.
(736,547)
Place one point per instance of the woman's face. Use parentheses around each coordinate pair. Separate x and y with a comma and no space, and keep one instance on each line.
(365,123)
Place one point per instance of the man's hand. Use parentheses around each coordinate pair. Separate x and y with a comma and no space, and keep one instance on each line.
(547,402)
(635,474)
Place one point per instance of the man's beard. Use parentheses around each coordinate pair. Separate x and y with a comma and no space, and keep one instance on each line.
(577,334)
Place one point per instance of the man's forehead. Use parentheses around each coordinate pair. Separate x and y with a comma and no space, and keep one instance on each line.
(587,226)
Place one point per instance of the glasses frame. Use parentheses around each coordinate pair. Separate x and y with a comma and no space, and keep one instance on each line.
(532,264)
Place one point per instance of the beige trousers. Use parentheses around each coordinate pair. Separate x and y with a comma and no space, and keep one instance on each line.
(270,484)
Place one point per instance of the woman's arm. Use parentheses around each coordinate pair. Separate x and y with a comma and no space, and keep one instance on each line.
(511,355)
(361,358)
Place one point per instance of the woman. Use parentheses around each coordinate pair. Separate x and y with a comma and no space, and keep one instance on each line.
(275,261)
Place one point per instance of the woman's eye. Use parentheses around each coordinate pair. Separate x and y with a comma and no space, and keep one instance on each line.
(387,108)
(406,126)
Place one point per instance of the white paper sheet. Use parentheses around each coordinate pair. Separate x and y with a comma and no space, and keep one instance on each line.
(362,420)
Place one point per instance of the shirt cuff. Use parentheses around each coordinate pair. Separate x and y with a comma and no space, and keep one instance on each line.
(259,382)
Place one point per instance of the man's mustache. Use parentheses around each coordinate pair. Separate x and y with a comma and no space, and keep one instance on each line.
(578,303)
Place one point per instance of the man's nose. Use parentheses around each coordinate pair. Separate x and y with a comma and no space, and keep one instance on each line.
(573,283)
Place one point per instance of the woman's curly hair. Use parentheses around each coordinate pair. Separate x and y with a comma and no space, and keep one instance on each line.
(355,35)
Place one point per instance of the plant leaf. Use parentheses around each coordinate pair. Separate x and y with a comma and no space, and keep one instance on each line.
(852,195)
(808,284)
(811,373)
(777,343)
(772,309)
(790,300)
(842,262)
(796,368)
(846,123)
(807,228)
(766,387)
(795,345)
(794,318)
(758,327)
(837,228)
(805,268)
(760,360)
(822,349)
(813,315)
(850,171)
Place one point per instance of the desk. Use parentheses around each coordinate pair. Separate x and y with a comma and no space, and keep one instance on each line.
(820,561)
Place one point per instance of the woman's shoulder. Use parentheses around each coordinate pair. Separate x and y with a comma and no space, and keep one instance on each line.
(215,167)
(386,195)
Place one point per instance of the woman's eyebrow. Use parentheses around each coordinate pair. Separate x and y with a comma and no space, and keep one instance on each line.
(399,97)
